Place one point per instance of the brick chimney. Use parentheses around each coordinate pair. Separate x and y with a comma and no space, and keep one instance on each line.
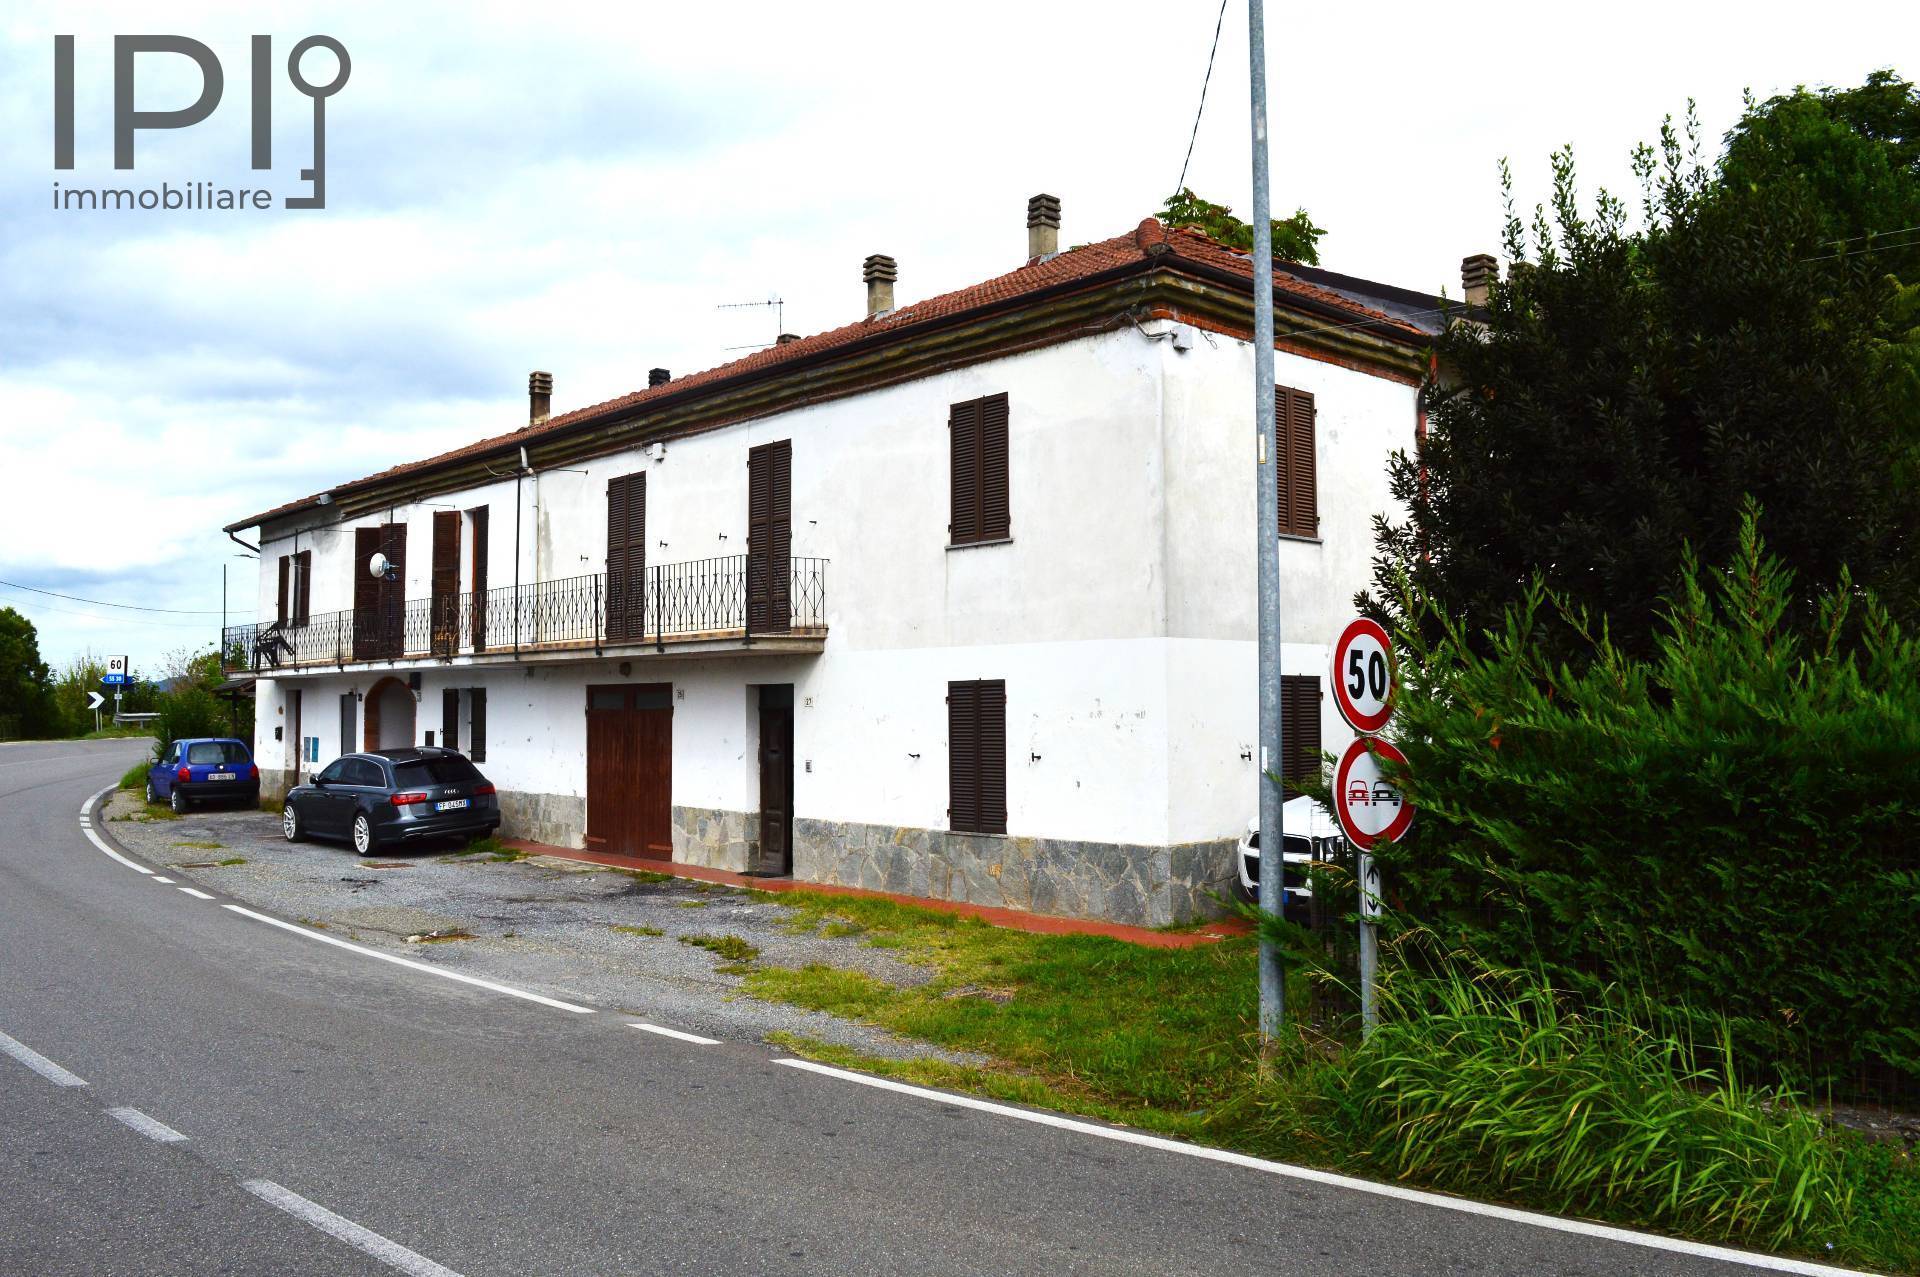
(785,338)
(539,397)
(879,271)
(658,377)
(1043,227)
(1478,274)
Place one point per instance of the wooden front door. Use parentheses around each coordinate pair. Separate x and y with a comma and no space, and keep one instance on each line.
(770,538)
(776,781)
(630,770)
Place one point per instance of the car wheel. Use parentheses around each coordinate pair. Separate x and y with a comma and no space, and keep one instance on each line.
(362,835)
(178,801)
(151,796)
(290,824)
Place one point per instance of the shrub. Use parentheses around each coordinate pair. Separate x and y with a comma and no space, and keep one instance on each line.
(1477,1079)
(1725,826)
(136,776)
(192,711)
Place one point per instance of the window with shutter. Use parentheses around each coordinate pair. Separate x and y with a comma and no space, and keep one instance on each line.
(627,558)
(303,587)
(977,439)
(477,576)
(280,606)
(444,586)
(977,756)
(1299,731)
(770,537)
(477,724)
(1293,428)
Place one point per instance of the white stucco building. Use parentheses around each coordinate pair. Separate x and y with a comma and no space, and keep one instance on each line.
(955,600)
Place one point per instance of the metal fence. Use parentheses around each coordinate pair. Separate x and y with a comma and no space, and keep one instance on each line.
(702,598)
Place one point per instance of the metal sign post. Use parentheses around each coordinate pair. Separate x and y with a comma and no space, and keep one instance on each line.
(1371,808)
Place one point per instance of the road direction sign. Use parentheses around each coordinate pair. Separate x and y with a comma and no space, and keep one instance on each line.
(95,700)
(1371,808)
(1364,675)
(114,680)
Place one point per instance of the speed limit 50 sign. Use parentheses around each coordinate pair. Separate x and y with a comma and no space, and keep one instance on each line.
(1363,675)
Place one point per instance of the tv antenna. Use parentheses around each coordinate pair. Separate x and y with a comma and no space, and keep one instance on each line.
(778,306)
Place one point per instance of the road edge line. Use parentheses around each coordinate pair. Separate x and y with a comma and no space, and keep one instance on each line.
(99,837)
(1332,1179)
(339,1227)
(39,1063)
(409,963)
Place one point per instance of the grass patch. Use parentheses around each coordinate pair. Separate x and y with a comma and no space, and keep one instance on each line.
(644,875)
(625,930)
(135,777)
(1478,1082)
(202,846)
(837,929)
(732,948)
(693,904)
(231,861)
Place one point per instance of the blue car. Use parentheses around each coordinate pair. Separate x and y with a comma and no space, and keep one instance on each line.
(190,771)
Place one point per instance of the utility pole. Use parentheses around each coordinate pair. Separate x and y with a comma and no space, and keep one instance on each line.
(1273,994)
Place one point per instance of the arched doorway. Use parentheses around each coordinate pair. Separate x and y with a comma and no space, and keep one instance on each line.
(389,716)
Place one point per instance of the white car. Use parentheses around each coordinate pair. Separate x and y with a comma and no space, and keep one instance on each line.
(1309,833)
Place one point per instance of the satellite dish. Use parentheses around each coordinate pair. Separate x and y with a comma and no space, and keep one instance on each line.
(379,566)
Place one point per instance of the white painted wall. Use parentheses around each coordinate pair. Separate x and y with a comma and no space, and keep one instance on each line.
(1120,615)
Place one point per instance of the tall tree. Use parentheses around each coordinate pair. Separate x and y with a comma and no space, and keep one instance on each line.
(1626,391)
(26,685)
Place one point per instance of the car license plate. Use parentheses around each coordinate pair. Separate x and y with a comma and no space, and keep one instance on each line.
(452,804)
(223,776)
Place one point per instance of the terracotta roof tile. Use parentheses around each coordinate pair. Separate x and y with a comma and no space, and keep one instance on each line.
(1150,239)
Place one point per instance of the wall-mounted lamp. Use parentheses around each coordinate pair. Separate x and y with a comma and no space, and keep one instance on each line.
(913,756)
(1033,758)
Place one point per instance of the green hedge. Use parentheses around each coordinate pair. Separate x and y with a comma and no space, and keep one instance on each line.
(1725,828)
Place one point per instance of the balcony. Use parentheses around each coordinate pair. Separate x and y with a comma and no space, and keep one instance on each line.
(706,605)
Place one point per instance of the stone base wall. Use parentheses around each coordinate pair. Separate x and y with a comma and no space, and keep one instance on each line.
(559,820)
(1117,882)
(716,838)
(274,784)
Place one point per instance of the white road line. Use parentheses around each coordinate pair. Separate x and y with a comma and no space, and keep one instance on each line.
(1651,1241)
(158,878)
(665,1032)
(195,892)
(95,839)
(153,1130)
(39,1063)
(365,1240)
(410,963)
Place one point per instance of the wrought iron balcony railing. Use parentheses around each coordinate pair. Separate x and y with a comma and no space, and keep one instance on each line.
(719,598)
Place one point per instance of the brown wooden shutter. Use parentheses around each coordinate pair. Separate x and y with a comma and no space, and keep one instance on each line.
(977,756)
(477,521)
(450,717)
(477,724)
(303,594)
(280,607)
(445,585)
(993,756)
(366,595)
(770,537)
(963,428)
(963,756)
(1299,500)
(995,515)
(1299,731)
(627,558)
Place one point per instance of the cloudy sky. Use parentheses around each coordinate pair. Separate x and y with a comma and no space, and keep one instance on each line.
(582,188)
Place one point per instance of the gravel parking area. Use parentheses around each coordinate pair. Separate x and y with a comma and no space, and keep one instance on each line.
(573,931)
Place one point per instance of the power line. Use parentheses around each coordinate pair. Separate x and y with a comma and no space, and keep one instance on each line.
(131,607)
(95,616)
(1181,185)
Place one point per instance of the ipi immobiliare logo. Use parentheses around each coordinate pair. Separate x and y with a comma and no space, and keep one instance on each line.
(129,121)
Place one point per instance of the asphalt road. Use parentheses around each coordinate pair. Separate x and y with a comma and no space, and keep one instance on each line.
(344,1114)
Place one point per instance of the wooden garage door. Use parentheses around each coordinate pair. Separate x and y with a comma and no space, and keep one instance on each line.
(630,770)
